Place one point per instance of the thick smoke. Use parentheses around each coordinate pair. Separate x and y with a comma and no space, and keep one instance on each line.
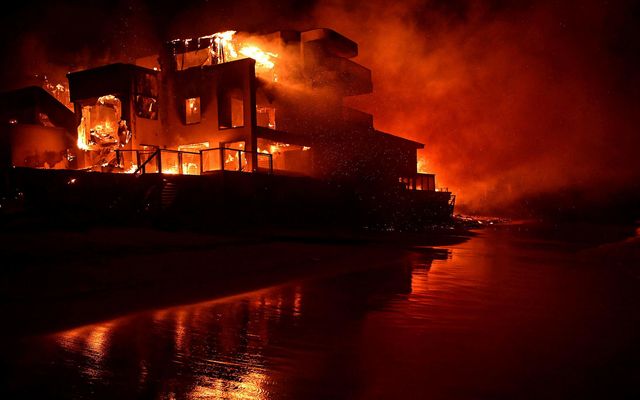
(511,102)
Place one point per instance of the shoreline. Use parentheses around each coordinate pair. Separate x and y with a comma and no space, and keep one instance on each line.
(61,279)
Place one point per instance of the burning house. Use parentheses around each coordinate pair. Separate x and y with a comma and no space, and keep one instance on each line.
(259,114)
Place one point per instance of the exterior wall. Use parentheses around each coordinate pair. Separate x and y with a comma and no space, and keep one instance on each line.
(364,157)
(207,83)
(145,132)
(38,147)
(343,143)
(124,81)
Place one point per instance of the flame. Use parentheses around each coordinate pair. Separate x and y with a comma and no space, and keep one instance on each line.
(105,132)
(223,45)
(172,170)
(187,169)
(57,90)
(422,165)
(82,136)
(192,105)
(276,147)
(263,58)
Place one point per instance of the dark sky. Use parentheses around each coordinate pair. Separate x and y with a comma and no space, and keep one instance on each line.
(512,98)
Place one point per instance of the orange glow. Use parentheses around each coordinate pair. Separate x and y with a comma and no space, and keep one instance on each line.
(504,104)
(92,342)
(99,124)
(250,386)
(422,165)
(82,136)
(172,170)
(263,58)
(131,169)
(225,46)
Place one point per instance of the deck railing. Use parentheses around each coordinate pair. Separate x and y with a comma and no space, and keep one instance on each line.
(419,181)
(166,161)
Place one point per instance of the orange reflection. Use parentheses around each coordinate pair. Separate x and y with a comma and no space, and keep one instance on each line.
(92,342)
(297,301)
(250,386)
(180,329)
(215,347)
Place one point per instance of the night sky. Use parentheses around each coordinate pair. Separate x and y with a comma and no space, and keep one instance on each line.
(514,100)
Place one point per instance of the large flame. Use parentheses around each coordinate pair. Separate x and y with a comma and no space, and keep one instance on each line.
(263,58)
(82,136)
(422,165)
(226,46)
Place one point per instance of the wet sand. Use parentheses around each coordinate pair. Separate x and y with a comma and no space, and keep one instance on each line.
(513,312)
(59,279)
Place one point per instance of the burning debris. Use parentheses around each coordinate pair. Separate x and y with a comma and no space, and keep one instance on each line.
(102,130)
(222,47)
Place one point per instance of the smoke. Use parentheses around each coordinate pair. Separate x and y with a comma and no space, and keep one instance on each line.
(511,102)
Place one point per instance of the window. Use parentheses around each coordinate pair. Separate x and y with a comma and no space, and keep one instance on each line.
(146,96)
(266,117)
(192,110)
(235,158)
(230,108)
(101,125)
(285,156)
(146,107)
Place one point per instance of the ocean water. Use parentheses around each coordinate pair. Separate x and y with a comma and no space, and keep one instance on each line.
(513,312)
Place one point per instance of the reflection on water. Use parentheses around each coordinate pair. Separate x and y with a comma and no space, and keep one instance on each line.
(91,342)
(499,316)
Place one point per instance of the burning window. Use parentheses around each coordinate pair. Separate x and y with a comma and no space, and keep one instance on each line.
(266,117)
(101,125)
(192,110)
(286,157)
(235,158)
(146,96)
(191,158)
(230,108)
(146,107)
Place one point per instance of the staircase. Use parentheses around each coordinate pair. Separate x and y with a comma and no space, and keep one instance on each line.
(168,194)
